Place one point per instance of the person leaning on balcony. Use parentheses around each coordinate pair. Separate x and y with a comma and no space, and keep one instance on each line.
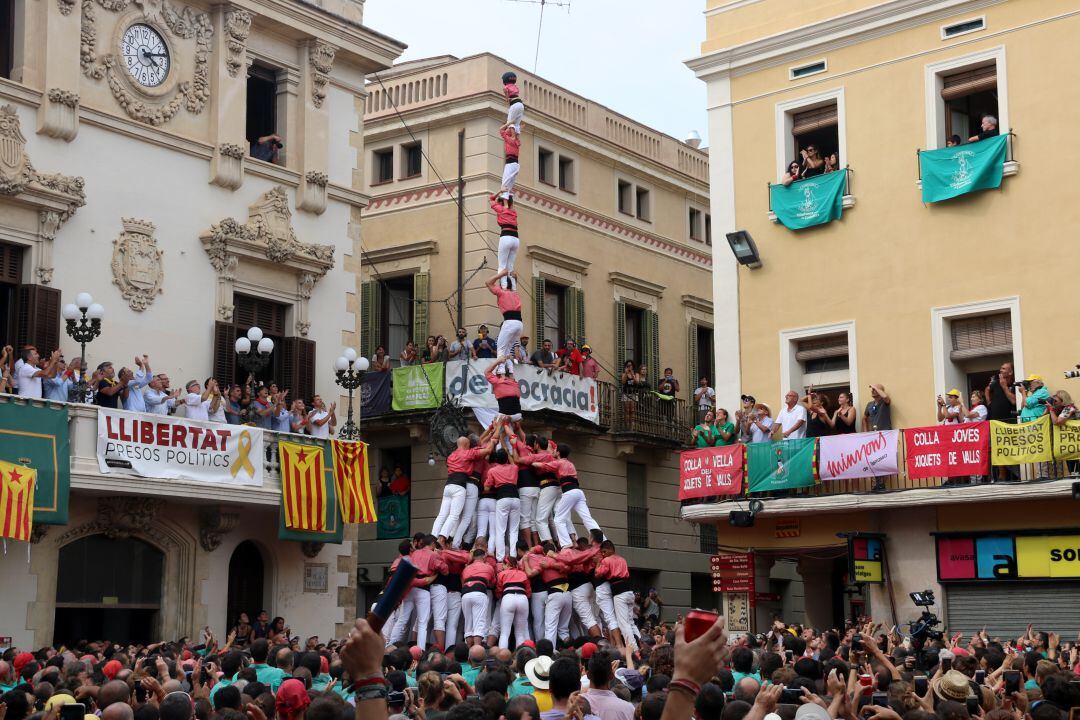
(845,417)
(792,417)
(817,413)
(705,434)
(381,362)
(725,429)
(988,129)
(589,367)
(109,386)
(1034,398)
(1062,410)
(949,408)
(878,413)
(792,173)
(29,375)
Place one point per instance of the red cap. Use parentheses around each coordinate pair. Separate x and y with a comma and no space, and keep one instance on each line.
(186,655)
(20,661)
(529,644)
(324,664)
(416,652)
(111,668)
(587,650)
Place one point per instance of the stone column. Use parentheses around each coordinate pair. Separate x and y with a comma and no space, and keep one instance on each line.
(228,95)
(316,62)
(58,115)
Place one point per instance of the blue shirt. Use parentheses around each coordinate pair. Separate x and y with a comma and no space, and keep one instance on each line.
(56,388)
(134,400)
(283,421)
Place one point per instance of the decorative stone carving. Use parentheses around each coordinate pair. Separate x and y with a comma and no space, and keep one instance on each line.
(38,532)
(267,236)
(232,150)
(65,6)
(321,57)
(313,192)
(227,168)
(136,264)
(311,549)
(120,517)
(184,24)
(214,524)
(237,27)
(64,97)
(57,196)
(317,178)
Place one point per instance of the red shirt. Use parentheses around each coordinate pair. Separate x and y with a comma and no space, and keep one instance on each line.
(613,567)
(516,576)
(511,90)
(454,561)
(550,568)
(478,572)
(479,467)
(505,216)
(527,457)
(589,367)
(423,558)
(562,468)
(503,386)
(508,300)
(578,560)
(511,143)
(462,461)
(573,360)
(501,475)
(400,485)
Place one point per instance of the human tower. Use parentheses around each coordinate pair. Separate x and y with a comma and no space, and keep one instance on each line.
(503,563)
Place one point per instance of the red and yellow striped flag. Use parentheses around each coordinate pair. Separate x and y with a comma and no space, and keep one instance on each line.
(352,482)
(16,500)
(303,486)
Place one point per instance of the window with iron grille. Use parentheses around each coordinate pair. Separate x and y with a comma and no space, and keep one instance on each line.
(708,539)
(637,505)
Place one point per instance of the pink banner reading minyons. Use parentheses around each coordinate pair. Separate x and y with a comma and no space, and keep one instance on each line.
(858,455)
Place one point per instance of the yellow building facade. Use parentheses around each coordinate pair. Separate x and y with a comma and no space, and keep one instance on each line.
(920,298)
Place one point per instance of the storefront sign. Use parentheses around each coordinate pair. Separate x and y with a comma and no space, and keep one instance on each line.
(733,572)
(865,559)
(858,455)
(540,390)
(711,471)
(947,450)
(157,446)
(1020,443)
(1008,556)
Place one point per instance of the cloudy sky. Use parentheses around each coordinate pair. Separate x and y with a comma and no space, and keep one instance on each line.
(626,54)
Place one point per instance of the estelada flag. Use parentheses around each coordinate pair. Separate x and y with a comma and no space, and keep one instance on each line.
(303,487)
(16,500)
(352,483)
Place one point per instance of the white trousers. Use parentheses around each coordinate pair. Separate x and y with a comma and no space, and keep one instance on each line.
(510,173)
(545,506)
(583,605)
(390,625)
(513,613)
(572,501)
(445,610)
(420,601)
(474,608)
(493,622)
(537,603)
(607,607)
(485,519)
(509,336)
(508,250)
(557,615)
(468,515)
(514,115)
(453,504)
(529,496)
(507,520)
(624,617)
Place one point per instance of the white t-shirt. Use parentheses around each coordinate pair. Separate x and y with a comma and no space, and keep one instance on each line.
(219,416)
(759,435)
(706,398)
(195,408)
(29,386)
(319,431)
(952,415)
(979,412)
(789,418)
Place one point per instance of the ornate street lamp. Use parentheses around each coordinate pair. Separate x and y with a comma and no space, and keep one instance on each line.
(253,354)
(83,324)
(349,374)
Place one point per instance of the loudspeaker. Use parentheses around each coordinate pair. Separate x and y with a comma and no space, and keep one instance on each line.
(741,518)
(1076,491)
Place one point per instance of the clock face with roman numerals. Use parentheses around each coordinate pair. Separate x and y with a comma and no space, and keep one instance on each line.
(145,55)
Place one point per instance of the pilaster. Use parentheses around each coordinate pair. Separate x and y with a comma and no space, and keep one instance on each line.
(316,62)
(228,80)
(58,116)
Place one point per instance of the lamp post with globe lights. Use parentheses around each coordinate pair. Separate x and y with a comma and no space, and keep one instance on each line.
(349,374)
(82,320)
(253,355)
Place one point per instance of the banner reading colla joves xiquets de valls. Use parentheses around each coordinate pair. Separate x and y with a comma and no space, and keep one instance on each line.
(540,390)
(157,446)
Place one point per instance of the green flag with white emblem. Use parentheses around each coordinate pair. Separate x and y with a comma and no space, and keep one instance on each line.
(954,171)
(782,465)
(813,201)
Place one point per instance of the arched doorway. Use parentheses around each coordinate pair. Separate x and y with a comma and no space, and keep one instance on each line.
(108,589)
(245,583)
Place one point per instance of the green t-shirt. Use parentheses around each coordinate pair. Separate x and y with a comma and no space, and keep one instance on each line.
(270,676)
(521,686)
(222,683)
(320,681)
(470,674)
(707,436)
(728,427)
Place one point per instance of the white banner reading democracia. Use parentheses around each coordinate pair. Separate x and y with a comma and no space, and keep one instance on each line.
(158,446)
(540,390)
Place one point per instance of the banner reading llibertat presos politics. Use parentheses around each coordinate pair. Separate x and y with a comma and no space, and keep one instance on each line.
(858,455)
(157,446)
(540,390)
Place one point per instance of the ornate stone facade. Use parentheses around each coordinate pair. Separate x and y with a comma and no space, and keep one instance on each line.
(136,264)
(321,57)
(237,27)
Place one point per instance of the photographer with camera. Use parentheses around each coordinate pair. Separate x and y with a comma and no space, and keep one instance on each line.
(1034,397)
(266,148)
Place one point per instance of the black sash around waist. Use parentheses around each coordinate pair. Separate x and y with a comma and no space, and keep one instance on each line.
(458,478)
(512,315)
(510,230)
(502,492)
(568,483)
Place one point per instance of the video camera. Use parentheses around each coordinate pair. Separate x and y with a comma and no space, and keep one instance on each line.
(922,629)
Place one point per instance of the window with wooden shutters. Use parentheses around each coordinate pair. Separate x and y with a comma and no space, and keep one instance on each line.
(370,318)
(538,311)
(10,276)
(620,335)
(818,348)
(570,314)
(38,318)
(969,82)
(555,315)
(265,314)
(579,320)
(651,337)
(298,368)
(982,336)
(225,353)
(969,95)
(11,258)
(421,296)
(692,372)
(819,128)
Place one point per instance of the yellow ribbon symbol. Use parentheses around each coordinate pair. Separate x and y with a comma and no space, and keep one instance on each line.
(243,447)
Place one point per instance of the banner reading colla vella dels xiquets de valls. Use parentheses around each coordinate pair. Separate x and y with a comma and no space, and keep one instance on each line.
(954,171)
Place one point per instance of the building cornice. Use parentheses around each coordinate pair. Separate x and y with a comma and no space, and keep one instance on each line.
(559,259)
(400,252)
(698,303)
(830,34)
(637,284)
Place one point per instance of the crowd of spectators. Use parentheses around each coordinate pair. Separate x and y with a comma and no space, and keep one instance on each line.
(139,389)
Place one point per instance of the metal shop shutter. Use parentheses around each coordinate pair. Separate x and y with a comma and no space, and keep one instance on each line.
(1007,608)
